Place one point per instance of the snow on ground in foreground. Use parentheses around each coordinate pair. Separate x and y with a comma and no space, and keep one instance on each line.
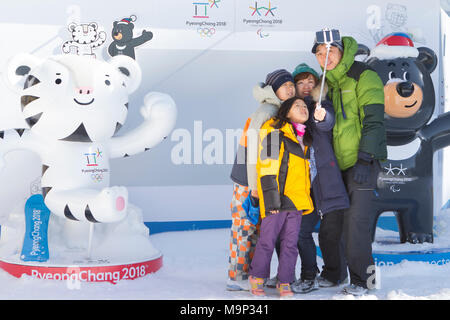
(195,267)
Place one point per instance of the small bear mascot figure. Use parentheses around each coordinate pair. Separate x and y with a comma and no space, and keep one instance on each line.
(123,41)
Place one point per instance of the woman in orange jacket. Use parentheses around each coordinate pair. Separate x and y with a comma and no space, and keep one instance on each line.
(284,192)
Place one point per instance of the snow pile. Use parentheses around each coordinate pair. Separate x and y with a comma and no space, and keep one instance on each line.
(442,224)
(13,231)
(389,241)
(126,241)
(195,264)
(195,267)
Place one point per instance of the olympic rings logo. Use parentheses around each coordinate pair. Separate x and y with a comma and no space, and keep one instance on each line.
(97,177)
(206,32)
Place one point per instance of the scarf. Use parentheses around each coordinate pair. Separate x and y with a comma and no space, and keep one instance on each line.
(299,128)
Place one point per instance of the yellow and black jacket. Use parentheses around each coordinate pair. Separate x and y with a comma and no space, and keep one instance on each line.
(283,171)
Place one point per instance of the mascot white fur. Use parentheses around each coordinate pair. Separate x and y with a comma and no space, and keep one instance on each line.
(74,107)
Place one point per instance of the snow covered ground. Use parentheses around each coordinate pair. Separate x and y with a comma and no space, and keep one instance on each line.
(195,268)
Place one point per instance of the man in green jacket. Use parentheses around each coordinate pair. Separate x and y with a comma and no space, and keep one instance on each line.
(359,140)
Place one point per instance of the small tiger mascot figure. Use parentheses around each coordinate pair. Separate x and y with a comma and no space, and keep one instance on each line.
(85,38)
(74,106)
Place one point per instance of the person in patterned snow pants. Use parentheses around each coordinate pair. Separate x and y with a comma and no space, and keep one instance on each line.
(278,87)
(243,236)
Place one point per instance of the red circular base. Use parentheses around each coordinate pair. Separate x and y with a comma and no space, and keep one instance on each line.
(104,273)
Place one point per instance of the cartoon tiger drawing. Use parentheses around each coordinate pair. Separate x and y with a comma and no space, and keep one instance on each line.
(74,107)
(85,38)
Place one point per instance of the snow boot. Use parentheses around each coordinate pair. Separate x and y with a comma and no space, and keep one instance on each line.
(272,282)
(236,285)
(355,290)
(305,286)
(285,290)
(256,286)
(324,283)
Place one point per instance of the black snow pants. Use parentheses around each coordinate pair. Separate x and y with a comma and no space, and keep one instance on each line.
(354,227)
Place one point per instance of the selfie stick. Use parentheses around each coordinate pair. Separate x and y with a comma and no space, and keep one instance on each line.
(323,77)
(328,44)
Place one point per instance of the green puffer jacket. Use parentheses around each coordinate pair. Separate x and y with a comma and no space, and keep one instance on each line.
(357,93)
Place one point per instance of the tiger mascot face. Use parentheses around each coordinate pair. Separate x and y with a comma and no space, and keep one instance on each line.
(83,33)
(74,98)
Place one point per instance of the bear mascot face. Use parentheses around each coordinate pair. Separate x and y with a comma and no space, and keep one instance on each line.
(122,31)
(408,88)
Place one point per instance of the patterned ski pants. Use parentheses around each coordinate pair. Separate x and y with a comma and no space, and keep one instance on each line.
(243,236)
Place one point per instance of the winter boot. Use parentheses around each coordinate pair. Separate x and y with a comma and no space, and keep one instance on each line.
(355,290)
(305,286)
(256,286)
(236,285)
(324,283)
(272,282)
(285,290)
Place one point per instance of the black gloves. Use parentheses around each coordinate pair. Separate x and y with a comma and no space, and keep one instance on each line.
(255,201)
(361,170)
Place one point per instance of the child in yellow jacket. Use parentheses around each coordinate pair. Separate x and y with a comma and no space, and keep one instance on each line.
(284,192)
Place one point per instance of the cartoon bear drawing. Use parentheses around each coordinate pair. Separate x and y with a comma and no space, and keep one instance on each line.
(405,184)
(123,41)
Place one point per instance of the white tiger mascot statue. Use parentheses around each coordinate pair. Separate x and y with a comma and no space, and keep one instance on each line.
(85,38)
(74,106)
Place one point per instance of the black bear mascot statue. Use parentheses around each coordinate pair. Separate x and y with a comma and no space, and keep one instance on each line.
(405,185)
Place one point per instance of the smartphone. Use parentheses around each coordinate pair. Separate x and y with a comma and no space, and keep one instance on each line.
(328,36)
